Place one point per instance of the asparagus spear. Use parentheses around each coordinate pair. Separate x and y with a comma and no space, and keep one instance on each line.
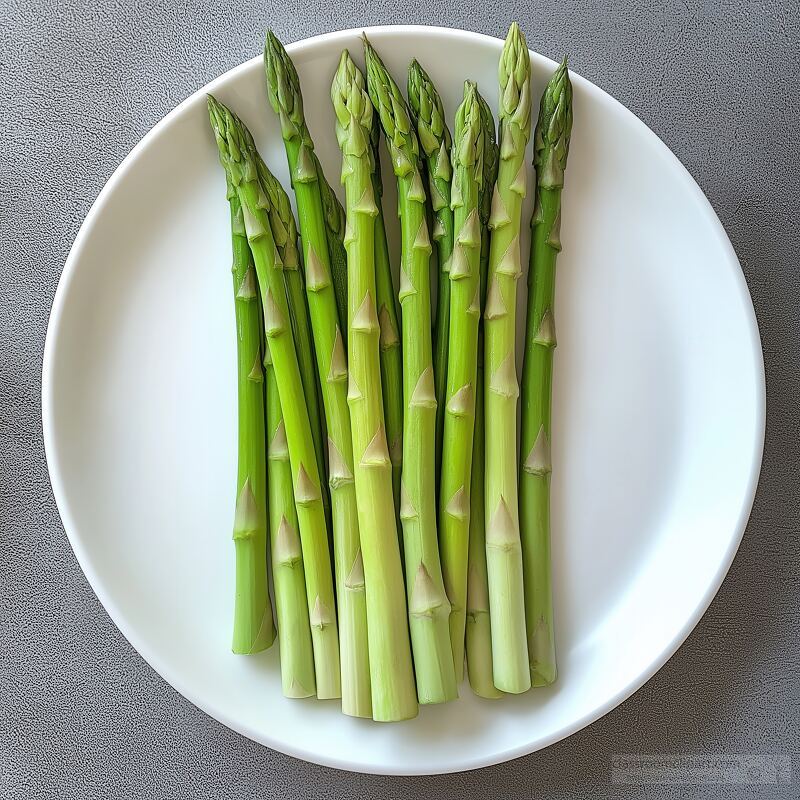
(334,229)
(503,548)
(234,152)
(284,231)
(391,353)
(287,100)
(305,347)
(551,146)
(479,633)
(282,75)
(288,576)
(434,138)
(253,628)
(393,696)
(428,605)
(454,502)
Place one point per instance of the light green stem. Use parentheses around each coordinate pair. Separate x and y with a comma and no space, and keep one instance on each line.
(455,486)
(429,608)
(479,628)
(503,547)
(284,231)
(288,576)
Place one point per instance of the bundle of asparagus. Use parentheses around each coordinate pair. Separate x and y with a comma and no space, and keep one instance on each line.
(412,425)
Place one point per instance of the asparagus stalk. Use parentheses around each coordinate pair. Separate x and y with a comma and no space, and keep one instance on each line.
(503,548)
(391,353)
(454,490)
(288,576)
(334,229)
(253,628)
(428,605)
(235,152)
(551,146)
(284,231)
(287,100)
(305,343)
(391,672)
(434,139)
(479,631)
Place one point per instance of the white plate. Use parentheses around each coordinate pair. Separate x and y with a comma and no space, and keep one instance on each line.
(658,429)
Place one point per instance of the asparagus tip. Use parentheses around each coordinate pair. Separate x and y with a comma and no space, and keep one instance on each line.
(554,129)
(271,41)
(514,73)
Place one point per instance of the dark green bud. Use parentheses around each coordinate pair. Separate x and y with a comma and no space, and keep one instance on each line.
(553,130)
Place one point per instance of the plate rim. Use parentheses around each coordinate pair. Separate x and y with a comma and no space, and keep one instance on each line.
(152,658)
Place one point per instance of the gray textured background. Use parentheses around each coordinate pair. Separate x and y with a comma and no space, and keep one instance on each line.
(81,715)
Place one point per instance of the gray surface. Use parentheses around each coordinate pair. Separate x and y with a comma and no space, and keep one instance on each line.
(81,715)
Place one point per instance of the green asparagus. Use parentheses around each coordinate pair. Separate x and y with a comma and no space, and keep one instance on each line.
(434,138)
(551,146)
(479,633)
(503,549)
(391,353)
(236,153)
(334,229)
(286,98)
(454,489)
(253,627)
(288,576)
(428,605)
(284,231)
(393,696)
